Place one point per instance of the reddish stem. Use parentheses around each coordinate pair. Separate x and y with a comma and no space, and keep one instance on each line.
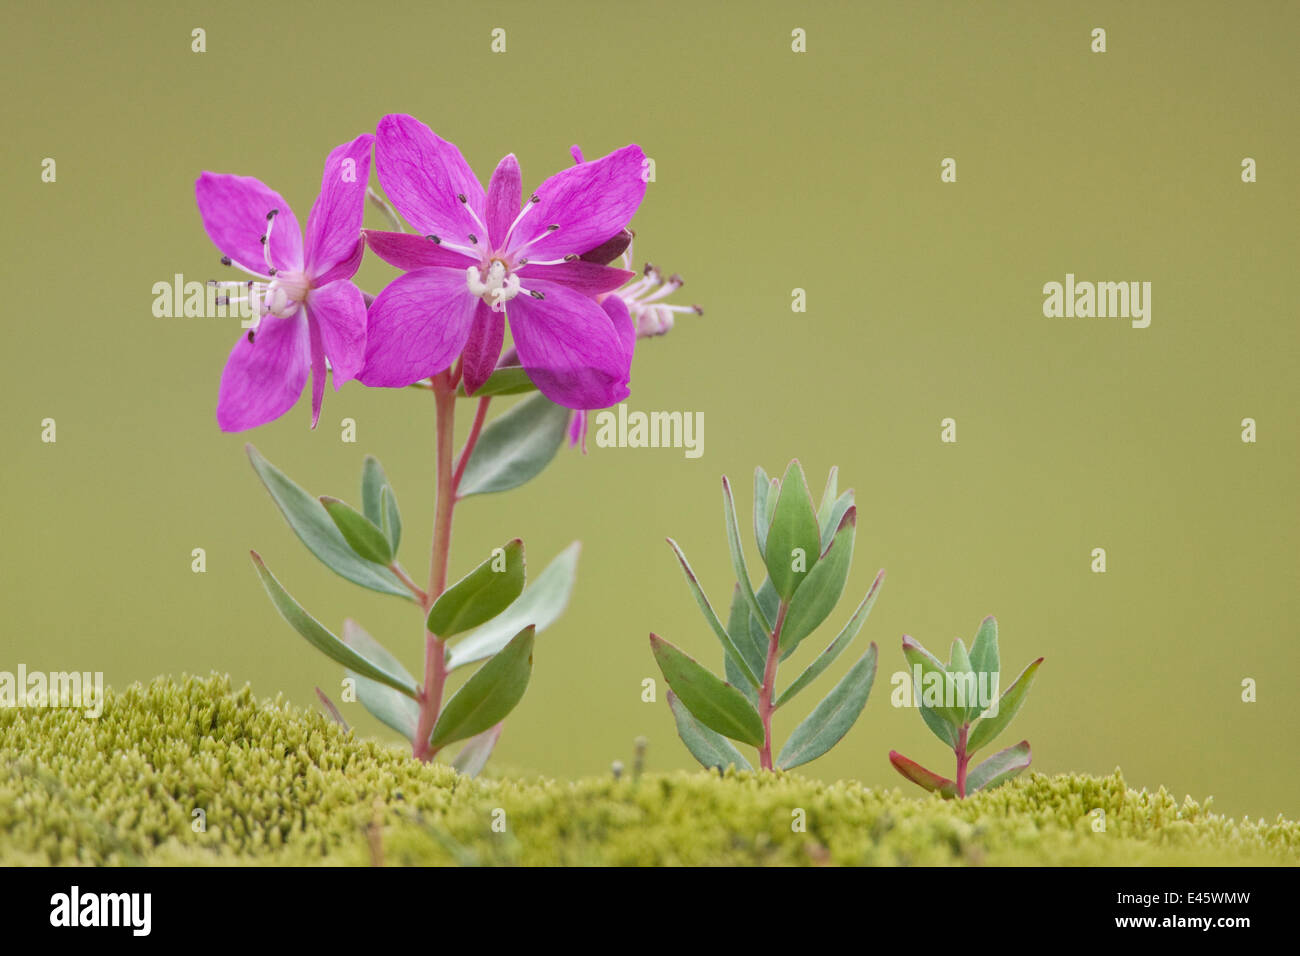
(963,759)
(765,693)
(435,654)
(475,429)
(411,586)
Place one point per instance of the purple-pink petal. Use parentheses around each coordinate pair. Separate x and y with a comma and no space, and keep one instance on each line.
(234,211)
(570,347)
(417,326)
(339,310)
(589,278)
(590,202)
(424,176)
(265,373)
(334,225)
(408,251)
(504,194)
(483,347)
(317,370)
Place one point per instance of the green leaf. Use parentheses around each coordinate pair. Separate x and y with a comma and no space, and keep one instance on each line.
(314,527)
(507,380)
(515,447)
(322,639)
(389,707)
(836,647)
(762,486)
(367,540)
(928,779)
(482,594)
(999,768)
(730,648)
(834,515)
(986,728)
(793,536)
(378,502)
(918,656)
(828,498)
(473,757)
(755,652)
(711,749)
(714,702)
(487,697)
(966,681)
(831,719)
(738,554)
(540,605)
(821,589)
(984,649)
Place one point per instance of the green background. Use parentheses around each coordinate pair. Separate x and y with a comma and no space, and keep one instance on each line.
(774,170)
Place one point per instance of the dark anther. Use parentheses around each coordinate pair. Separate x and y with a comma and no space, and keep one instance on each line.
(461,197)
(571,257)
(272,214)
(535,294)
(534,198)
(225,260)
(435,240)
(270,272)
(473,238)
(250,336)
(552,227)
(262,240)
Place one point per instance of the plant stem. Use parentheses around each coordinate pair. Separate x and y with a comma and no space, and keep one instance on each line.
(435,653)
(766,693)
(963,758)
(479,415)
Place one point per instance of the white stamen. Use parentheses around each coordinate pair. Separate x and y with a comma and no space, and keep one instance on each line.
(498,289)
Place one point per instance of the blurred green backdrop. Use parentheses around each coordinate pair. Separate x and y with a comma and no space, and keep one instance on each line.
(774,170)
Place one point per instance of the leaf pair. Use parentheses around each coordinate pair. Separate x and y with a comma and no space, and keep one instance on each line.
(959,702)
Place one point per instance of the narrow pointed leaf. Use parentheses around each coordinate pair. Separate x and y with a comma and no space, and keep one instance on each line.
(834,515)
(738,554)
(928,779)
(831,719)
(986,728)
(729,647)
(828,499)
(710,748)
(837,646)
(754,650)
(999,768)
(794,537)
(929,664)
(378,502)
(482,594)
(316,529)
(821,589)
(366,539)
(540,605)
(984,649)
(714,702)
(320,638)
(487,697)
(762,485)
(386,705)
(515,447)
(473,757)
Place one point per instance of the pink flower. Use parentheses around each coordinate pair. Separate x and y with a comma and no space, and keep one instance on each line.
(309,310)
(482,256)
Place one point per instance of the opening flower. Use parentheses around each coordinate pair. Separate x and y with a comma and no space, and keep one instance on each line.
(482,256)
(309,312)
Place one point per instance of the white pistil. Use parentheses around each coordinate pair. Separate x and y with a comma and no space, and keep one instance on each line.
(498,288)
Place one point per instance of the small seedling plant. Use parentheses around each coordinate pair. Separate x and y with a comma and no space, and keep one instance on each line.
(959,702)
(807,551)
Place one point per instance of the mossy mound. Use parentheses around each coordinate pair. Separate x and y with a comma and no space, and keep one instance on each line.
(279,785)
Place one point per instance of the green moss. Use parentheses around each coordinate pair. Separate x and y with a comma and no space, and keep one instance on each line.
(284,786)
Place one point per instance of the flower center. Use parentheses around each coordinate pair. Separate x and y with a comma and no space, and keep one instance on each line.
(495,284)
(285,292)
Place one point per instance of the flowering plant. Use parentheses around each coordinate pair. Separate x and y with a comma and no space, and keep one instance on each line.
(478,260)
